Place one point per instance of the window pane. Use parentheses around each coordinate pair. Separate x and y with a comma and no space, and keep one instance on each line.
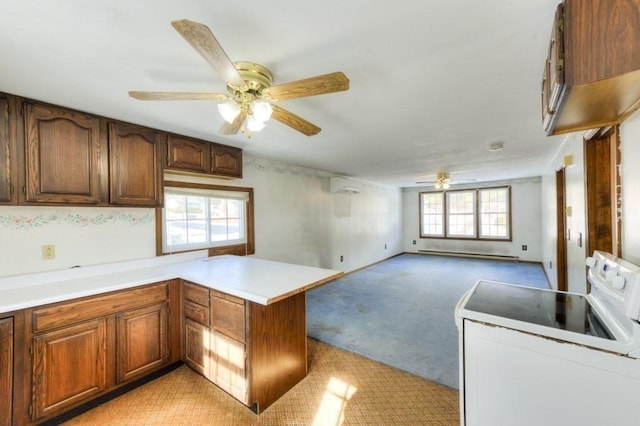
(494,213)
(461,214)
(432,210)
(198,221)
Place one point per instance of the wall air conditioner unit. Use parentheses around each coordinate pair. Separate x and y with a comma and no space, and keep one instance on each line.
(343,186)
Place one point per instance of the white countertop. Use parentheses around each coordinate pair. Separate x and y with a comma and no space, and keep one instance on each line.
(257,280)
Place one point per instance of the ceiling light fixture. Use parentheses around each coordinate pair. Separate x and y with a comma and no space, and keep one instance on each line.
(442,182)
(496,146)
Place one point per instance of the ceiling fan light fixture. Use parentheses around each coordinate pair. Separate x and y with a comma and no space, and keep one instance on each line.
(261,110)
(229,110)
(254,124)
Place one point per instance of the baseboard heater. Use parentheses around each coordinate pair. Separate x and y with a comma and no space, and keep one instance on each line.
(466,254)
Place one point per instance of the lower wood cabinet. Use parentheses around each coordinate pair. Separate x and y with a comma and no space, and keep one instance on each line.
(69,365)
(84,348)
(142,341)
(6,371)
(254,352)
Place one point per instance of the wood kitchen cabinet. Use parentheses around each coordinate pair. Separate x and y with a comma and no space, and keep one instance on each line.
(8,147)
(135,171)
(6,371)
(84,348)
(190,155)
(254,352)
(142,341)
(63,150)
(591,77)
(69,366)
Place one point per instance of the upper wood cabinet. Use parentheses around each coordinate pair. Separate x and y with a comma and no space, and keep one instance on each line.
(135,172)
(8,165)
(63,151)
(185,154)
(591,76)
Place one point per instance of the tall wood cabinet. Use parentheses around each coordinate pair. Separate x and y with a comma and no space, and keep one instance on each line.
(63,152)
(6,371)
(8,147)
(591,76)
(135,171)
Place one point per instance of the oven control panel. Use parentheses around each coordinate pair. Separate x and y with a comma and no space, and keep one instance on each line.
(617,280)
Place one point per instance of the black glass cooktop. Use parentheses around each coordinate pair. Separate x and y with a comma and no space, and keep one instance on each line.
(571,312)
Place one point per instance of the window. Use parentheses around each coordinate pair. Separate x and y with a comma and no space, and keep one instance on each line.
(199,216)
(466,214)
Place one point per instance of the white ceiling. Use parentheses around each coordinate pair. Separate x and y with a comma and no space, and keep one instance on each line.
(432,82)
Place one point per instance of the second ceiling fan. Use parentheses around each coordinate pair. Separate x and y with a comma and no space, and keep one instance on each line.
(251,97)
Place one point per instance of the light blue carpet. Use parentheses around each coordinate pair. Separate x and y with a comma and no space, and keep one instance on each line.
(400,311)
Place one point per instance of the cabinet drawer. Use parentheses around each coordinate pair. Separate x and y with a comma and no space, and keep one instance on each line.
(198,313)
(196,293)
(228,315)
(64,314)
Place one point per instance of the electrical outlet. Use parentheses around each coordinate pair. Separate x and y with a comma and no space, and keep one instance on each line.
(524,247)
(341,258)
(385,246)
(414,242)
(48,252)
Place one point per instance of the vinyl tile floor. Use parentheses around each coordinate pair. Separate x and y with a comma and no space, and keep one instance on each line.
(341,388)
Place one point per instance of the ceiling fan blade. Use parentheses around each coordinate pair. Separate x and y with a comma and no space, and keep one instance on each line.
(327,83)
(233,128)
(290,119)
(200,37)
(177,96)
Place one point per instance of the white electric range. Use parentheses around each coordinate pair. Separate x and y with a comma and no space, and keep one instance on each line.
(531,356)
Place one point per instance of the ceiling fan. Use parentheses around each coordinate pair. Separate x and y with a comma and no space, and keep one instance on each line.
(250,101)
(443,181)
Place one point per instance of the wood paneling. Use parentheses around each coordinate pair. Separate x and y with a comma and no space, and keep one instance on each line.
(6,371)
(278,355)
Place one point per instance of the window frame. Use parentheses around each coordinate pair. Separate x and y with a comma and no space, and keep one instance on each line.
(476,215)
(245,248)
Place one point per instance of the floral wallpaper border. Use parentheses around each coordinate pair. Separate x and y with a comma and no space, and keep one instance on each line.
(14,221)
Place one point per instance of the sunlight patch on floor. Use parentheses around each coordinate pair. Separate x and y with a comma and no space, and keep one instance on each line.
(334,402)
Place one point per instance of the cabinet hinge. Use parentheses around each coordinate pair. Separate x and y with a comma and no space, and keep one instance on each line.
(11,189)
(31,350)
(560,65)
(24,189)
(561,24)
(31,409)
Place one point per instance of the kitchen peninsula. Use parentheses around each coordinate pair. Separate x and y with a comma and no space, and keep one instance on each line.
(80,333)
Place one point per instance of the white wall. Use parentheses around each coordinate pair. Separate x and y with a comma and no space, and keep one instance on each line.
(575,180)
(297,220)
(526,226)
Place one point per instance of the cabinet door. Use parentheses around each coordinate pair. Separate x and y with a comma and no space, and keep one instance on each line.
(69,366)
(142,341)
(135,176)
(8,165)
(226,161)
(197,347)
(188,154)
(62,155)
(6,371)
(229,368)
